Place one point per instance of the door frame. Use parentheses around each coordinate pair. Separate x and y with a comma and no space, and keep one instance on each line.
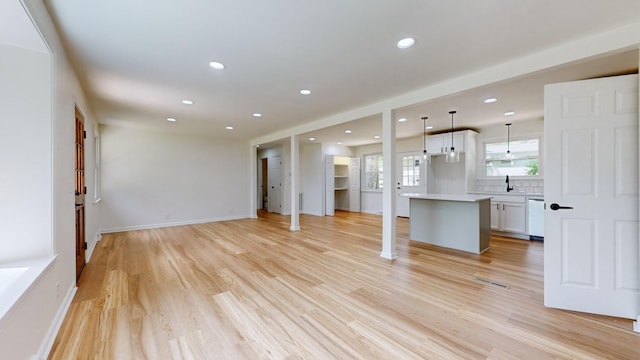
(80,191)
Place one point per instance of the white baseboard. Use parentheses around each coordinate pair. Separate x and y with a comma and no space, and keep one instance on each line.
(178,223)
(92,246)
(47,343)
(636,324)
(314,213)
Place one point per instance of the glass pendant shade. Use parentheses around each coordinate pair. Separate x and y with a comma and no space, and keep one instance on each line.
(453,156)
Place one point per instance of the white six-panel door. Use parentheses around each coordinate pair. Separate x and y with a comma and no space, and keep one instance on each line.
(591,194)
(274,193)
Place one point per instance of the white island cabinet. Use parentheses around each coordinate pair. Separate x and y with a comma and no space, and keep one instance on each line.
(461,222)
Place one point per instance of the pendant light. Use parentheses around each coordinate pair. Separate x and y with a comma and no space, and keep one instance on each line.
(509,156)
(453,156)
(426,158)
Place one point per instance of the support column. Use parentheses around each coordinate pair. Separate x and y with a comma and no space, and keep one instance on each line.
(295,183)
(388,188)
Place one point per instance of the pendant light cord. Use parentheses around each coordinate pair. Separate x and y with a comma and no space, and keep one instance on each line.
(452,112)
(508,138)
(424,136)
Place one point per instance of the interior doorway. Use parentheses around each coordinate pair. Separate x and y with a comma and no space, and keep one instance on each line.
(264,194)
(80,191)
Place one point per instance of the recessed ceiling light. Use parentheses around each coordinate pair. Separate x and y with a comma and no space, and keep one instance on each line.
(312,138)
(171,119)
(229,128)
(187,102)
(216,65)
(509,113)
(406,43)
(339,142)
(258,145)
(257,115)
(376,136)
(490,100)
(347,131)
(429,127)
(402,119)
(305,92)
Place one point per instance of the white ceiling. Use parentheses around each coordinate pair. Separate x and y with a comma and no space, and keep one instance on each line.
(138,59)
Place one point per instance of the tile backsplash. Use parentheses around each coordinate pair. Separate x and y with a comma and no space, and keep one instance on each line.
(520,186)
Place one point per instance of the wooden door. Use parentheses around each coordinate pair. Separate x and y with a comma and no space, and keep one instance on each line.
(80,191)
(591,195)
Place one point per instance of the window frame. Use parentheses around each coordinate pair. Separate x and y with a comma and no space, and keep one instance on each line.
(365,172)
(530,136)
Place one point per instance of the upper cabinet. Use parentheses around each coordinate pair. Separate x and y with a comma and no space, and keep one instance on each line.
(441,143)
(451,178)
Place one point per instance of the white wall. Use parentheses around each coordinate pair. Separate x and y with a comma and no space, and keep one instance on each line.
(152,178)
(312,179)
(25,154)
(338,150)
(29,328)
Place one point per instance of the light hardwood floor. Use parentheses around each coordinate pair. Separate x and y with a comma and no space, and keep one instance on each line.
(251,289)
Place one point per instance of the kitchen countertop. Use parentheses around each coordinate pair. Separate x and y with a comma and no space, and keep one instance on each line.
(449,197)
(506,194)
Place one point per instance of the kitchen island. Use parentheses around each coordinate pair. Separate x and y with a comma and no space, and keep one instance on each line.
(461,222)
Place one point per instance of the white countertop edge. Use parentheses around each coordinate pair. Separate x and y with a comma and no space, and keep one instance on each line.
(449,197)
(495,193)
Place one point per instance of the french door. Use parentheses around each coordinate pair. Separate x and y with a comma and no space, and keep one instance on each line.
(409,179)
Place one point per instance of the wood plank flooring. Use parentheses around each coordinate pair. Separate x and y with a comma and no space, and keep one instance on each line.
(251,289)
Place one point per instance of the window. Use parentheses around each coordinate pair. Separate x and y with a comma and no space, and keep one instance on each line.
(373,172)
(524,159)
(411,170)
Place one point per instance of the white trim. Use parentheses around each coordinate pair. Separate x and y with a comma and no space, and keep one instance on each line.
(178,223)
(92,246)
(389,255)
(636,325)
(314,213)
(50,337)
(18,289)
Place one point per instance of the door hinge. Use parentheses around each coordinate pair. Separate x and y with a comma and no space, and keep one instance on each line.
(85,190)
(85,245)
(84,133)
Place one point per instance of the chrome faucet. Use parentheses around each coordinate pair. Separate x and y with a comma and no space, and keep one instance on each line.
(509,188)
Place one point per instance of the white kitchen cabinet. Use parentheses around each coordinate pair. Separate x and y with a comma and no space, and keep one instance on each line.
(509,214)
(441,143)
(451,178)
